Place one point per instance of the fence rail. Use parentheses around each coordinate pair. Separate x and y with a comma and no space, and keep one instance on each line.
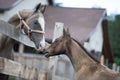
(115,67)
(62,71)
(16,69)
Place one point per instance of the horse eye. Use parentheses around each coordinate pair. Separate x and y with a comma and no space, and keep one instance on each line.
(35,22)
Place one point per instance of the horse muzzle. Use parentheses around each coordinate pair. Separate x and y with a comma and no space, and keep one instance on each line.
(40,49)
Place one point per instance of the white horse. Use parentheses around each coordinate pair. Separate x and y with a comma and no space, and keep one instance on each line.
(32,23)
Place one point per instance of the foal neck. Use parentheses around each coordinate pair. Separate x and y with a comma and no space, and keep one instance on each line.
(78,56)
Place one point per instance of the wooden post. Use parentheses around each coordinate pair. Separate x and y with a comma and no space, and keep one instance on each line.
(58,31)
(21,51)
(118,68)
(21,48)
(102,60)
(114,67)
(42,76)
(106,62)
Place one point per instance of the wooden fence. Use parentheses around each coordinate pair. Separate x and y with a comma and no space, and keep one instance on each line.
(16,69)
(36,67)
(62,70)
(115,67)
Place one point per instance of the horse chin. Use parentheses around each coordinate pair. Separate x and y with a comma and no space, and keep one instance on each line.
(40,49)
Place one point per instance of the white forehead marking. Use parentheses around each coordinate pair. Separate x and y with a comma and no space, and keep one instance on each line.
(41,22)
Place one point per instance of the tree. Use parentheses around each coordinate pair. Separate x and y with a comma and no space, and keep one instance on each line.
(114,31)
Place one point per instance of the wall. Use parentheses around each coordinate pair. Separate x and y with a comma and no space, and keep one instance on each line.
(95,41)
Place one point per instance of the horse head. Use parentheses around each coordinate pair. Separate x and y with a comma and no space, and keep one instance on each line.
(32,23)
(60,45)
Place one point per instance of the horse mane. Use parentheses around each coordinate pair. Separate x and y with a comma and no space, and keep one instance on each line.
(85,50)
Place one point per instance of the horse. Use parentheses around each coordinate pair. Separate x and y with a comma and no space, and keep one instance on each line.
(85,67)
(32,24)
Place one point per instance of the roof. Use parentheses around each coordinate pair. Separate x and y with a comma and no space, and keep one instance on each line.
(7,4)
(80,21)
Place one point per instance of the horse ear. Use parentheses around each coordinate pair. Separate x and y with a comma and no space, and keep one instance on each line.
(37,7)
(40,8)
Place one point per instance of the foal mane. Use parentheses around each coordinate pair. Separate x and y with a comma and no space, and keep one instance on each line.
(86,51)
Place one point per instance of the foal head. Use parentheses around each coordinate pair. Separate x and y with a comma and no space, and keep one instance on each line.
(60,45)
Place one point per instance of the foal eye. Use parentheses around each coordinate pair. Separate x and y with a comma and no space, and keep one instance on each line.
(60,40)
(56,41)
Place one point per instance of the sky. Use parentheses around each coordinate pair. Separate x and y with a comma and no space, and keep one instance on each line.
(112,6)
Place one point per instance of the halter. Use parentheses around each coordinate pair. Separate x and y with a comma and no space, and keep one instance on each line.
(29,30)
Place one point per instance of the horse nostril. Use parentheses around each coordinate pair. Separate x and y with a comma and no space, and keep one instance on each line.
(42,52)
(41,46)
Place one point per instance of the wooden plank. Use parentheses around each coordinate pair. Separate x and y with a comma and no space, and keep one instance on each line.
(102,60)
(15,33)
(58,30)
(118,68)
(21,48)
(106,62)
(16,69)
(114,67)
(61,78)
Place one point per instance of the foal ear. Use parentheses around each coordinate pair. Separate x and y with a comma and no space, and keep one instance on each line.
(68,33)
(64,32)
